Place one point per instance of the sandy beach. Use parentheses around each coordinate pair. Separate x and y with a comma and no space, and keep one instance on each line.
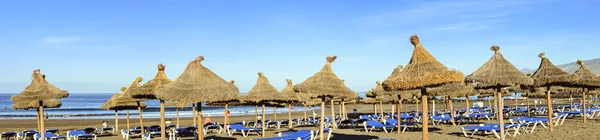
(573,128)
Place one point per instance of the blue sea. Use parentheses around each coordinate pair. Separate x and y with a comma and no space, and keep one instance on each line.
(87,106)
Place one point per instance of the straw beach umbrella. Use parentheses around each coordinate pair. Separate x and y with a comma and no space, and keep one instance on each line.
(147,92)
(38,91)
(587,79)
(198,84)
(548,75)
(112,104)
(498,73)
(324,84)
(262,93)
(422,72)
(126,97)
(288,91)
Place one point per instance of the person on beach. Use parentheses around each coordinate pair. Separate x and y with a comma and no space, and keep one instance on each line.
(47,115)
(104,123)
(355,111)
(207,120)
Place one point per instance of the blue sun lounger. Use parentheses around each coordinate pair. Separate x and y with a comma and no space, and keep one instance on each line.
(78,134)
(372,124)
(484,129)
(245,131)
(48,135)
(300,134)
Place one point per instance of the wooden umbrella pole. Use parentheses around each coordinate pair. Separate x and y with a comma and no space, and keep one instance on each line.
(571,99)
(340,108)
(200,124)
(194,113)
(399,113)
(584,106)
(127,115)
(433,107)
(374,109)
(333,124)
(425,116)
(304,110)
(141,120)
(275,112)
(344,114)
(163,124)
(177,113)
(381,110)
(550,112)
(451,111)
(417,107)
(322,120)
(226,116)
(496,105)
(527,98)
(290,116)
(262,120)
(256,116)
(38,119)
(42,129)
(500,113)
(467,102)
(116,120)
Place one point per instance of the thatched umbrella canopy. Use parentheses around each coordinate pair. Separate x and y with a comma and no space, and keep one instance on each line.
(263,91)
(498,73)
(288,90)
(126,95)
(112,104)
(147,91)
(422,72)
(586,77)
(324,84)
(198,84)
(49,103)
(39,89)
(550,75)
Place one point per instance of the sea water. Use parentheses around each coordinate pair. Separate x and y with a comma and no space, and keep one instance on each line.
(87,106)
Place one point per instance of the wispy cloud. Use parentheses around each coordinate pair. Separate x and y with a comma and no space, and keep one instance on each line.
(442,12)
(464,26)
(60,40)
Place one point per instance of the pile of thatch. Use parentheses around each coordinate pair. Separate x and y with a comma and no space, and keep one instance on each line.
(198,84)
(324,83)
(263,91)
(48,103)
(550,75)
(498,72)
(422,71)
(147,91)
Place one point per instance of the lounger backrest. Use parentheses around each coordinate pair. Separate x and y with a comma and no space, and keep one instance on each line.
(391,121)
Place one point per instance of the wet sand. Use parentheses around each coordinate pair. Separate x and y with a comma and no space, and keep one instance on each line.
(573,128)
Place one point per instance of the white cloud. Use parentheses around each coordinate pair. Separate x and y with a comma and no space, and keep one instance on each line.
(59,40)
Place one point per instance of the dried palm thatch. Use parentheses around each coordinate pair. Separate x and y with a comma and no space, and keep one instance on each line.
(324,83)
(126,94)
(112,104)
(395,73)
(38,90)
(288,91)
(423,70)
(263,91)
(498,72)
(586,77)
(370,101)
(370,94)
(379,92)
(550,75)
(48,103)
(198,84)
(147,91)
(350,95)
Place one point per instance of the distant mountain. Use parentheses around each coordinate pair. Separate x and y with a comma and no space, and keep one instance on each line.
(593,64)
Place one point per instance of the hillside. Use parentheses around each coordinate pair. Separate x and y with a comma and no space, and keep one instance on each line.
(593,64)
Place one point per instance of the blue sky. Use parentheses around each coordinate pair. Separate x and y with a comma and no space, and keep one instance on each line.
(100,46)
